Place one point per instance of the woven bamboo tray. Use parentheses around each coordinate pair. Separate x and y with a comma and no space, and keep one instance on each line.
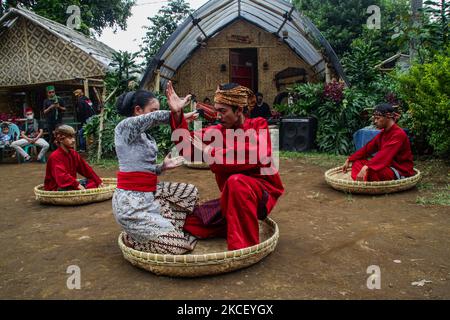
(76,197)
(197,165)
(210,257)
(344,182)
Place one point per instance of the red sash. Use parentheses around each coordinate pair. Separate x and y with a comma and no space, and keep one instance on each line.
(137,181)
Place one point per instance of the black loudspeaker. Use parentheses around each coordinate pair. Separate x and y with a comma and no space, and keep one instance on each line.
(298,134)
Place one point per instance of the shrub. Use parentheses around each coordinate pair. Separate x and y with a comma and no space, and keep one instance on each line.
(426,91)
(340,111)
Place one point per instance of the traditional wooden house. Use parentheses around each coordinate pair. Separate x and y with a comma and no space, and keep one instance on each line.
(264,45)
(36,52)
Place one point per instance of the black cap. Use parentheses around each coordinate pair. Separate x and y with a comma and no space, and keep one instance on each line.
(384,108)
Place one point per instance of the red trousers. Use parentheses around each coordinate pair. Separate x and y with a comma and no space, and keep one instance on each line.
(384,174)
(239,204)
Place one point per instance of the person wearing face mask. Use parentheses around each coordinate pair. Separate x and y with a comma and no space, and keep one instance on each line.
(31,134)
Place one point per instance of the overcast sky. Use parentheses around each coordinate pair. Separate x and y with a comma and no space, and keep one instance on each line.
(130,39)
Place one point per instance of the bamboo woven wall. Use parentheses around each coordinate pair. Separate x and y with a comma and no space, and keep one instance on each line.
(201,73)
(30,55)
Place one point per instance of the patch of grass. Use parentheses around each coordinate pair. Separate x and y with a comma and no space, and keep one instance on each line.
(325,160)
(440,197)
(349,197)
(426,186)
(106,163)
(435,185)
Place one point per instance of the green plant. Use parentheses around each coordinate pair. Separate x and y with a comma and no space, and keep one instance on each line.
(338,111)
(124,73)
(162,25)
(341,21)
(306,99)
(91,129)
(426,91)
(95,15)
(359,63)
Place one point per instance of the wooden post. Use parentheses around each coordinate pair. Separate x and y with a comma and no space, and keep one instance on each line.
(100,130)
(86,87)
(157,81)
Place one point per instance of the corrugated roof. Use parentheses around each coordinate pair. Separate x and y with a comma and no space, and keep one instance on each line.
(98,50)
(273,16)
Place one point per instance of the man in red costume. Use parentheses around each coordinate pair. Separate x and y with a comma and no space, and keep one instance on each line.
(64,164)
(393,159)
(249,189)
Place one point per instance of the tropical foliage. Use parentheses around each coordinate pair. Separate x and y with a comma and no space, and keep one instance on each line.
(96,15)
(162,25)
(425,90)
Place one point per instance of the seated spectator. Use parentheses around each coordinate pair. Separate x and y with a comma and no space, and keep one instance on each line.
(5,136)
(262,109)
(31,134)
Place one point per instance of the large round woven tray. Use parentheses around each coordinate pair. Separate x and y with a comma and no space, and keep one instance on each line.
(76,197)
(197,165)
(210,257)
(344,182)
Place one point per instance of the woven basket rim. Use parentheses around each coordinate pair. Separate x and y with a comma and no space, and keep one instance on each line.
(206,258)
(110,186)
(197,165)
(370,184)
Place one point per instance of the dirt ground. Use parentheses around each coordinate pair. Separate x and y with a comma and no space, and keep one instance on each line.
(327,242)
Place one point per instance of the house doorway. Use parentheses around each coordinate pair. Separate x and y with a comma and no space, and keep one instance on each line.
(244,67)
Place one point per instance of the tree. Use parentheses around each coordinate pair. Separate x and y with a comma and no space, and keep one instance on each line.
(163,24)
(343,21)
(360,60)
(96,15)
(438,23)
(125,72)
(428,32)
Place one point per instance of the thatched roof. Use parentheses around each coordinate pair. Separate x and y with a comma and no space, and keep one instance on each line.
(34,49)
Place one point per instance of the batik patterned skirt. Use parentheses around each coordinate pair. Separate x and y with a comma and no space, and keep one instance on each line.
(153,222)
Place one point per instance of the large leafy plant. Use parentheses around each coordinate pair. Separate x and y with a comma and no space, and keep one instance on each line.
(426,92)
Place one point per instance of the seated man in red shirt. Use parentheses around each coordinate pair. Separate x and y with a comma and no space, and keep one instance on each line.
(64,164)
(249,189)
(393,159)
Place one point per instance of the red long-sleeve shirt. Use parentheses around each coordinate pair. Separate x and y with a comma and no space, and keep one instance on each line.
(62,169)
(271,183)
(393,150)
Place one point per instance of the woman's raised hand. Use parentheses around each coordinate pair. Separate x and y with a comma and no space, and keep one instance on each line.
(172,163)
(176,104)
